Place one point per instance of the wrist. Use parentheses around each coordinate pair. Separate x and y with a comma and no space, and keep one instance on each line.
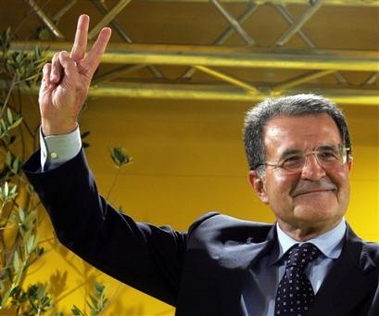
(49,129)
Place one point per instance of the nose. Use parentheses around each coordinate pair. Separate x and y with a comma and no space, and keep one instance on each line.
(312,169)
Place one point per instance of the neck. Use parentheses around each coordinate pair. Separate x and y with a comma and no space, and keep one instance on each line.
(304,232)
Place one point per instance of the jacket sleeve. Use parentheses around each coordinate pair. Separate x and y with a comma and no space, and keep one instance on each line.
(143,256)
(374,310)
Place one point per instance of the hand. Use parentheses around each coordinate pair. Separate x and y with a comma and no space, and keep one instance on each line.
(66,81)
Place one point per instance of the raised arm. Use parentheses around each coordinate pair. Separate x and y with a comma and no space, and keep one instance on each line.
(67,78)
(146,257)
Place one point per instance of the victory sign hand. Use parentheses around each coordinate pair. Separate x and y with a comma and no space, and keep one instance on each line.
(66,80)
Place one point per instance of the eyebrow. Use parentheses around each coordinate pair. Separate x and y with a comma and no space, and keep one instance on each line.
(292,151)
(288,152)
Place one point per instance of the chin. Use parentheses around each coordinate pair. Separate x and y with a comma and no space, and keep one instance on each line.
(313,204)
(316,212)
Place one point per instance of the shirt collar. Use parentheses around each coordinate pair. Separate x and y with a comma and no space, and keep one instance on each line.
(329,243)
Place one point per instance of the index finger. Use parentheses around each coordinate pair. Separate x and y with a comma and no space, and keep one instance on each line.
(79,48)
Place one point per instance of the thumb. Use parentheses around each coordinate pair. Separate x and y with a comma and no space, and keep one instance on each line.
(45,84)
(68,64)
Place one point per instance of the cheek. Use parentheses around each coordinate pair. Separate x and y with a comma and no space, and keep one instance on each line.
(344,191)
(341,180)
(279,187)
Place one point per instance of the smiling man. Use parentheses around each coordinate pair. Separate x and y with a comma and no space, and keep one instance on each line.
(303,169)
(309,262)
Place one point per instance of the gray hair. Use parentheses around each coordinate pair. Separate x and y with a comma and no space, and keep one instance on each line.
(296,105)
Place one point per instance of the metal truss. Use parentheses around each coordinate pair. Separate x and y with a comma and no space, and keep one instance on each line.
(218,71)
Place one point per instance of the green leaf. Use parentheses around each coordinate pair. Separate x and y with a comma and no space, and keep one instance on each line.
(31,244)
(13,190)
(9,158)
(14,290)
(17,121)
(3,126)
(9,116)
(99,288)
(13,163)
(21,215)
(120,156)
(16,166)
(6,189)
(6,193)
(85,134)
(16,261)
(76,311)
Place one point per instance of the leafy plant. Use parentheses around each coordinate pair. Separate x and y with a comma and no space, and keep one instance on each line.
(19,246)
(96,302)
(18,205)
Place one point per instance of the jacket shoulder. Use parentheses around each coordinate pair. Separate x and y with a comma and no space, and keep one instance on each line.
(369,251)
(370,254)
(214,226)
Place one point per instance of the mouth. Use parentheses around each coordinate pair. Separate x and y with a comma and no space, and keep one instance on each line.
(320,187)
(313,191)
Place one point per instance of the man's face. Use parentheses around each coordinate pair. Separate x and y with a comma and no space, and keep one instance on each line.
(316,198)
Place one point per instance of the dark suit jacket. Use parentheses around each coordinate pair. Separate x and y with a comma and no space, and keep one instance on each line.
(202,271)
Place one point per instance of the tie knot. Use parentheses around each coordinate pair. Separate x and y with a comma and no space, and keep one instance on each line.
(301,256)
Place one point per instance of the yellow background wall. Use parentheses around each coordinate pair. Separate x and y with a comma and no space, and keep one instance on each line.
(188,160)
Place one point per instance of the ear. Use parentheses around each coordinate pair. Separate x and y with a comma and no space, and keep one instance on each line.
(349,163)
(258,185)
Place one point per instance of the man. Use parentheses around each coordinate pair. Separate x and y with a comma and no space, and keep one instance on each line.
(299,154)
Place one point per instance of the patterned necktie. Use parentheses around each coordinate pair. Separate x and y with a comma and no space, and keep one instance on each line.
(295,292)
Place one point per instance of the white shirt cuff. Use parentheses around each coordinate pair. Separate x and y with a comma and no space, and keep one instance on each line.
(58,149)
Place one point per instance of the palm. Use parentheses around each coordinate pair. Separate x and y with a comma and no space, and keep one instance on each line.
(67,79)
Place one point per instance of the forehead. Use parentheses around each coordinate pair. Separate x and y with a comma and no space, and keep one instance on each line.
(300,132)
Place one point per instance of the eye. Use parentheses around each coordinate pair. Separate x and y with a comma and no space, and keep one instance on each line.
(292,160)
(328,154)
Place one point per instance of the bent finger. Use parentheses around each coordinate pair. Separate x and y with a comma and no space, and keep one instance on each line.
(69,65)
(56,69)
(45,82)
(46,74)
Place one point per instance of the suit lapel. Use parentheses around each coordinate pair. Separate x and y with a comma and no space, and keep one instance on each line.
(244,255)
(235,264)
(348,282)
